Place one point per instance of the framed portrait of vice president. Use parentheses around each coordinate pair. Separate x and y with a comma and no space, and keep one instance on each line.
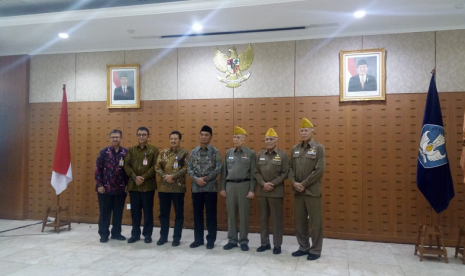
(123,89)
(362,75)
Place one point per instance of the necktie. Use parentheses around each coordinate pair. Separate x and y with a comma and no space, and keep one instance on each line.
(363,82)
(124,91)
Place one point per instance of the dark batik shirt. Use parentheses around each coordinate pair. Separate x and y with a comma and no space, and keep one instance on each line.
(204,163)
(108,172)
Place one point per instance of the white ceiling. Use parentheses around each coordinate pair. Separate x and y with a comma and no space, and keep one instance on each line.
(139,24)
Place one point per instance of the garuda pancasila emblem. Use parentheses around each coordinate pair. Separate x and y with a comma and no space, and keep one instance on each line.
(233,66)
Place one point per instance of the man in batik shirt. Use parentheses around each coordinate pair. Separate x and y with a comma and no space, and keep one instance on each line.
(171,166)
(111,182)
(204,166)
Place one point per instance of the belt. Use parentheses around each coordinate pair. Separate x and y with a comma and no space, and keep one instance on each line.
(238,181)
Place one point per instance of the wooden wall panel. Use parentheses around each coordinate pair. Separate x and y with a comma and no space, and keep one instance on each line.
(393,206)
(369,185)
(14,135)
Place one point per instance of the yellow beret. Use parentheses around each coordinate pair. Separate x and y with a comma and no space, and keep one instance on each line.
(271,133)
(305,123)
(239,130)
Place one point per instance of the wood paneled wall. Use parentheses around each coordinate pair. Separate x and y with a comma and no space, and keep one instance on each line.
(369,186)
(14,135)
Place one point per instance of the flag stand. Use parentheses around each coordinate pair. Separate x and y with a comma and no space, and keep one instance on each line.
(438,249)
(57,223)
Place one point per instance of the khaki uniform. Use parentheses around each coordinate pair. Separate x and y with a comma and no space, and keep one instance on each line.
(307,164)
(237,180)
(271,167)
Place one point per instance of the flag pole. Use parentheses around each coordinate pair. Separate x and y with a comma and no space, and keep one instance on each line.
(61,174)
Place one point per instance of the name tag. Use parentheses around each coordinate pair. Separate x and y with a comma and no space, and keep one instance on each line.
(121,162)
(231,157)
(262,158)
(297,152)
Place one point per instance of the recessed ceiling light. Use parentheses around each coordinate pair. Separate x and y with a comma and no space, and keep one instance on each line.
(197,27)
(63,35)
(359,14)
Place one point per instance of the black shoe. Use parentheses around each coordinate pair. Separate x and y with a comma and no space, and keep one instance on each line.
(133,239)
(210,245)
(299,253)
(277,250)
(244,247)
(312,257)
(162,241)
(229,246)
(175,243)
(263,248)
(195,244)
(148,239)
(103,240)
(119,237)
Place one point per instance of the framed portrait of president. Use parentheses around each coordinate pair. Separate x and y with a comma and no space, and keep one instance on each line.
(362,75)
(123,89)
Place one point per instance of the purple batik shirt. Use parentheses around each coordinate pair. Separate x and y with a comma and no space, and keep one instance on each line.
(109,173)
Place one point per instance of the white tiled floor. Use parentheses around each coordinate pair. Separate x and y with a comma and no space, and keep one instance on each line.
(27,251)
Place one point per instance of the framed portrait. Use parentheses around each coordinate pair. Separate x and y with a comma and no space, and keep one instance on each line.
(123,89)
(362,75)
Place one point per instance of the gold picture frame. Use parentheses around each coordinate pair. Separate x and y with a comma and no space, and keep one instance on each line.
(123,89)
(362,75)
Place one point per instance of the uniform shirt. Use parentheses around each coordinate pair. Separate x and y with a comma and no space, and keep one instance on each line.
(271,167)
(108,172)
(134,166)
(204,162)
(238,165)
(166,165)
(306,165)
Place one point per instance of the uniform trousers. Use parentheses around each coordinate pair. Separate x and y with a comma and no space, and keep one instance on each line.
(164,217)
(209,200)
(308,209)
(237,202)
(110,204)
(273,206)
(142,201)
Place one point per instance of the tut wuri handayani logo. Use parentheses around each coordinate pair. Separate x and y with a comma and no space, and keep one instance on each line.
(432,154)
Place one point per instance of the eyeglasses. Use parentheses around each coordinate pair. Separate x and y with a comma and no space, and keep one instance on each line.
(115,137)
(142,135)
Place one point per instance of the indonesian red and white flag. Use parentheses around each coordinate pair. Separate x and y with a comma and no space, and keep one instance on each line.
(62,174)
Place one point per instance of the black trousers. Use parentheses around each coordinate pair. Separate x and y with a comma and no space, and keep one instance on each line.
(165,208)
(209,200)
(142,201)
(107,204)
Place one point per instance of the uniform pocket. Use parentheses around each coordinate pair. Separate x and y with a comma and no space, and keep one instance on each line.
(230,163)
(276,162)
(261,162)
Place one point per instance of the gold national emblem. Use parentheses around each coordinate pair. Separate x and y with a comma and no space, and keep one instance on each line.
(233,66)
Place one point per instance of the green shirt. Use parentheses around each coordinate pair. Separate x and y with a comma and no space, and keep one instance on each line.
(307,165)
(134,166)
(238,165)
(166,164)
(271,167)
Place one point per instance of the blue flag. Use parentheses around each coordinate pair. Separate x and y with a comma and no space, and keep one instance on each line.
(434,179)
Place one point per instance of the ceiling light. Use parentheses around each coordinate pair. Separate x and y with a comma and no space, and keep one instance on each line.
(197,27)
(359,14)
(63,35)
